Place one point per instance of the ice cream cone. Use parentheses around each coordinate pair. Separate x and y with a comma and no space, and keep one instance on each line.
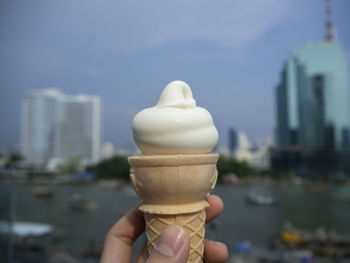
(173,189)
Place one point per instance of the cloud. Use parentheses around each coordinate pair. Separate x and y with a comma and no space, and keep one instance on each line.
(130,25)
(147,24)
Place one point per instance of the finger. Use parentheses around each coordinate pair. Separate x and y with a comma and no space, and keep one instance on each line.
(119,239)
(143,254)
(215,207)
(215,252)
(173,246)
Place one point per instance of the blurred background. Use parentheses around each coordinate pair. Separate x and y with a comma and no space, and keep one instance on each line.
(273,74)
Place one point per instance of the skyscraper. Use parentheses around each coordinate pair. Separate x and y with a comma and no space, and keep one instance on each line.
(232,140)
(313,99)
(56,127)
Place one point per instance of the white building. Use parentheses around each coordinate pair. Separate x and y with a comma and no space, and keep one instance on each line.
(57,126)
(258,157)
(108,150)
(242,151)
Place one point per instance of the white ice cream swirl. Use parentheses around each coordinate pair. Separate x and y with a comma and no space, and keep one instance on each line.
(175,125)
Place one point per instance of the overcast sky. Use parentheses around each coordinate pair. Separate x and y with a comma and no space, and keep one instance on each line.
(229,52)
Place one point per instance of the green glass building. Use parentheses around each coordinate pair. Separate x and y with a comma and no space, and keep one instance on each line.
(313,100)
(313,109)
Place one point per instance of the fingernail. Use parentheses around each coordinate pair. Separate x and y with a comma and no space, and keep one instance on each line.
(171,240)
(213,242)
(210,241)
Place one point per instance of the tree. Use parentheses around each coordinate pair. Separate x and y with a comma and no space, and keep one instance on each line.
(14,159)
(71,165)
(116,167)
(231,165)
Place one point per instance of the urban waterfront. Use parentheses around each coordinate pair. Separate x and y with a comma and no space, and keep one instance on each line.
(264,84)
(301,205)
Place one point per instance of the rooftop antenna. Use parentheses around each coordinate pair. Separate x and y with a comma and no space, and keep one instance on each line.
(329,26)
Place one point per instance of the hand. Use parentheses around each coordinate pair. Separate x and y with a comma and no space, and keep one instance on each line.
(173,244)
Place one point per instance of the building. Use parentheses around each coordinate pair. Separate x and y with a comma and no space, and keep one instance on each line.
(243,148)
(108,150)
(240,148)
(56,127)
(313,102)
(232,140)
(258,156)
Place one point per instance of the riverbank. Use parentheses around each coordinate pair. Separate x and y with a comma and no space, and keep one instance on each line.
(55,178)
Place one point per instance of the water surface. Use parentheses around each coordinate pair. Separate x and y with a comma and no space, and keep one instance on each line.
(239,221)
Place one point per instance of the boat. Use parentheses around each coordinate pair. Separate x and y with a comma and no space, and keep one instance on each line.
(318,188)
(242,247)
(43,192)
(264,200)
(81,203)
(319,242)
(230,179)
(293,237)
(25,229)
(110,184)
(243,252)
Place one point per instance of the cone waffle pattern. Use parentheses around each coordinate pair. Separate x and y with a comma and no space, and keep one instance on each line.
(193,223)
(173,189)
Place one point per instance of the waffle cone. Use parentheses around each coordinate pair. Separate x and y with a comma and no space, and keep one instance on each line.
(173,189)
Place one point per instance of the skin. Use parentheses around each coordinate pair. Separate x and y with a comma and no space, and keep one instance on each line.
(120,238)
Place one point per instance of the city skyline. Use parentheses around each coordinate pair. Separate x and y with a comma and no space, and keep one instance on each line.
(232,64)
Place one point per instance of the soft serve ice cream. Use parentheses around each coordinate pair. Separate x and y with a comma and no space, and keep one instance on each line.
(175,125)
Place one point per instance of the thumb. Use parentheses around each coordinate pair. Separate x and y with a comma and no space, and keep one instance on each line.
(172,247)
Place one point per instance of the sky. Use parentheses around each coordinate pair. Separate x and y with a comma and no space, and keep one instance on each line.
(230,52)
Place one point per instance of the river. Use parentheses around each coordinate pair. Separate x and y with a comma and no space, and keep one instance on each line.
(239,221)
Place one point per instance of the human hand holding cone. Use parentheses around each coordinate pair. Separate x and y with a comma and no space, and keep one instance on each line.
(176,172)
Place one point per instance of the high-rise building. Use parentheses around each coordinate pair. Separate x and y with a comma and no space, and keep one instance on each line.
(56,127)
(313,100)
(232,140)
